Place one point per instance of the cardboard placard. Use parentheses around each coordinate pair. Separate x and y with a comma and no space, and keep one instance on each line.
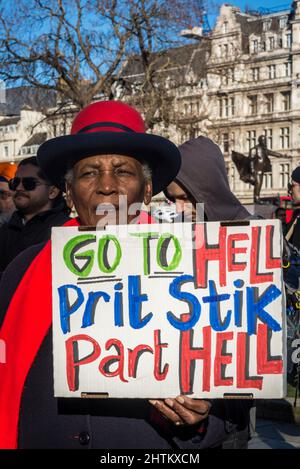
(154,311)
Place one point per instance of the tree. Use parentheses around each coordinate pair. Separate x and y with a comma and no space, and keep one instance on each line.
(76,47)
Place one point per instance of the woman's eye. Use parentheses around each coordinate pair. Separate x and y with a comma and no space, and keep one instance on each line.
(89,173)
(123,172)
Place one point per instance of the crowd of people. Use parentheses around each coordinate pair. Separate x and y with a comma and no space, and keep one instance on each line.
(107,155)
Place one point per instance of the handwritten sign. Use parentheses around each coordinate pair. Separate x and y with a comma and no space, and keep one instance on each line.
(154,311)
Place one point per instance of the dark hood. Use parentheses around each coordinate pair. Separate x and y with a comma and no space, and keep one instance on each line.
(203,175)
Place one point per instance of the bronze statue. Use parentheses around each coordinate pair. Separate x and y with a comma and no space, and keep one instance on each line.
(251,168)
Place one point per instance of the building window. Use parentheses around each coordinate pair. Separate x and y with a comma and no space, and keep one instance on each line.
(225,142)
(269,102)
(288,69)
(225,27)
(6,151)
(252,104)
(225,50)
(269,138)
(231,76)
(251,139)
(255,73)
(268,181)
(282,22)
(288,40)
(232,107)
(220,103)
(226,107)
(255,46)
(271,43)
(228,76)
(272,71)
(286,100)
(284,175)
(266,25)
(284,137)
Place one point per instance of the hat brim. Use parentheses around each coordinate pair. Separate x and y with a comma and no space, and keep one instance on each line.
(57,155)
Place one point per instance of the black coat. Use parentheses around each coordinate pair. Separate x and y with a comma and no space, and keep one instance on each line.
(15,237)
(48,422)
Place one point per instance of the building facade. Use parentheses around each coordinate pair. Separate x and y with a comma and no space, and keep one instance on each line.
(232,84)
(254,88)
(238,82)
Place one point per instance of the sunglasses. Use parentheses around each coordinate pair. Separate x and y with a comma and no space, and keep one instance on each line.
(29,183)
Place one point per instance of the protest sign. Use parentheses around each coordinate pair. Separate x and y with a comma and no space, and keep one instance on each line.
(154,311)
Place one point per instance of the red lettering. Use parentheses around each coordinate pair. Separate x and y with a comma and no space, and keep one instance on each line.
(255,276)
(111,359)
(134,356)
(188,355)
(232,251)
(204,253)
(271,262)
(158,346)
(220,359)
(73,362)
(243,357)
(265,366)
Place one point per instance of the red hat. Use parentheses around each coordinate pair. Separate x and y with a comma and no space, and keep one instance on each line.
(109,127)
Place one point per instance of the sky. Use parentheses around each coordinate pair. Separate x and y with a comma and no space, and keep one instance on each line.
(252,5)
(256,4)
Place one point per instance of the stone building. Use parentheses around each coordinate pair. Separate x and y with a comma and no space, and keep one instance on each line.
(22,122)
(232,84)
(238,82)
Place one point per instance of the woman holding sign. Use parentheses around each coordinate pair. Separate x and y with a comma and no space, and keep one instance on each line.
(107,156)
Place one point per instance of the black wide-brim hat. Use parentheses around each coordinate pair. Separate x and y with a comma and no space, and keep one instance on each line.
(110,127)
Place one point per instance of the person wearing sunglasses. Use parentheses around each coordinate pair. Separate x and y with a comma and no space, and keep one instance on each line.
(7,206)
(38,205)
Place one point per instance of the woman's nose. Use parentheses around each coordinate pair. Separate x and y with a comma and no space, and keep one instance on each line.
(107,182)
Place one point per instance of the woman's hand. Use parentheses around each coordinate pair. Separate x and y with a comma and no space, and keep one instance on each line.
(183,410)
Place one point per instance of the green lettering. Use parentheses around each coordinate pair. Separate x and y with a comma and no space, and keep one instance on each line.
(70,255)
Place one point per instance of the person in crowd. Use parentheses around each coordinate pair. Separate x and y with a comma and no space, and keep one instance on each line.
(293,228)
(7,206)
(107,155)
(39,205)
(201,192)
(280,214)
(202,184)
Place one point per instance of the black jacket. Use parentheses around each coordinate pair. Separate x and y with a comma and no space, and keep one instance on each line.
(48,422)
(15,236)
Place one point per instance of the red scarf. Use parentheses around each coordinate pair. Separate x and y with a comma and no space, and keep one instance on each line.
(26,324)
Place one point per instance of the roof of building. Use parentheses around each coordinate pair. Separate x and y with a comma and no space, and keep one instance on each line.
(25,97)
(36,139)
(188,57)
(9,121)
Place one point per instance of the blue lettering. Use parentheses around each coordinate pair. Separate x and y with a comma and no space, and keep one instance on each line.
(135,299)
(256,305)
(214,308)
(65,308)
(194,305)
